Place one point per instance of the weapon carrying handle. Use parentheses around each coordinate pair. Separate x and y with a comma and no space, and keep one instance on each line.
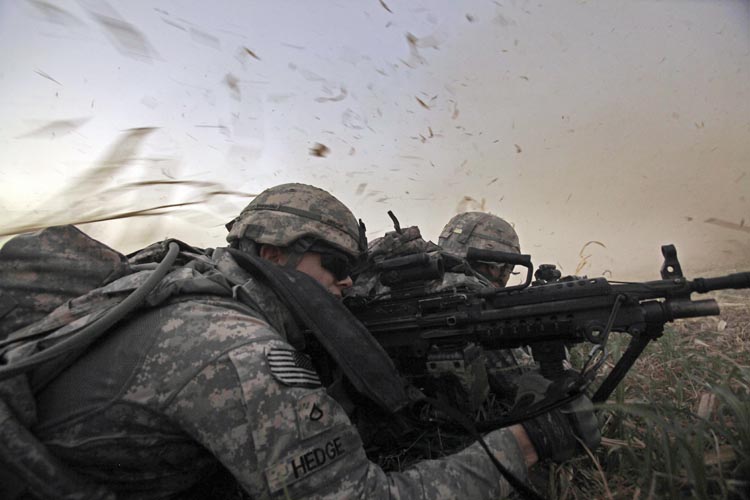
(504,258)
(500,257)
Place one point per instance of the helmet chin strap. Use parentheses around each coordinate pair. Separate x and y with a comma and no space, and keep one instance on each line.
(293,259)
(296,251)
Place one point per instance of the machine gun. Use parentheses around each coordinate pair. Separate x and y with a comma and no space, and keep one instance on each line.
(437,338)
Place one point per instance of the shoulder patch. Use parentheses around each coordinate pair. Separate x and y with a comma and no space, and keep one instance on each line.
(292,368)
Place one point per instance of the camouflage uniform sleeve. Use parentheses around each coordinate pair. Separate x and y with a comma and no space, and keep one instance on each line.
(260,409)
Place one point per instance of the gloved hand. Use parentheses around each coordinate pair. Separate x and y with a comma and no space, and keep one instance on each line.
(554,433)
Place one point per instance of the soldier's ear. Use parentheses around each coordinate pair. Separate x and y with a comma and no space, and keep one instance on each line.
(275,254)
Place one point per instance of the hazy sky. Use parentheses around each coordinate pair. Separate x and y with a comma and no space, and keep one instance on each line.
(621,122)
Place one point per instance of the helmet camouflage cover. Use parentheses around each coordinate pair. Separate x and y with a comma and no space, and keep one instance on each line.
(283,214)
(478,230)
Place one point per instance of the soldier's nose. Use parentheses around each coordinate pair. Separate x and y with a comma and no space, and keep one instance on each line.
(345,283)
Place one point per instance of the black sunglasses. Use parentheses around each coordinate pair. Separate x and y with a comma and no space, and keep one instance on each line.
(337,265)
(334,261)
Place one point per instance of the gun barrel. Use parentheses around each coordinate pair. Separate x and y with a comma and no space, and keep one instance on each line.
(736,280)
(669,310)
(694,308)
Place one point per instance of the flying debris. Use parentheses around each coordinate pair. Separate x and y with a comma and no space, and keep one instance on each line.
(320,150)
(234,87)
(585,258)
(361,188)
(251,53)
(342,95)
(419,43)
(204,38)
(729,225)
(174,24)
(45,75)
(421,102)
(54,14)
(55,128)
(385,6)
(469,204)
(455,111)
(518,148)
(123,35)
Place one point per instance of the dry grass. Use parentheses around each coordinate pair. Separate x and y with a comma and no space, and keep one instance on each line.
(679,425)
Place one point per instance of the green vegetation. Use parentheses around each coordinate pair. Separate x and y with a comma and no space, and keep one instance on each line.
(679,425)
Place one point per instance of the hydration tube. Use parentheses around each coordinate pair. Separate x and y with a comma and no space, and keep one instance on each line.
(90,333)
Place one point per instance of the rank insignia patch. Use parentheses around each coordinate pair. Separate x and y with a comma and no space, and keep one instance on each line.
(292,368)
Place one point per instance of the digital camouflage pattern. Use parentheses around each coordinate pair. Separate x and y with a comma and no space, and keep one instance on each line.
(282,214)
(182,392)
(391,245)
(395,244)
(42,270)
(479,230)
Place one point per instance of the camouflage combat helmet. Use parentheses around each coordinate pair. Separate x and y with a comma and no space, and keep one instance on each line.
(478,230)
(283,214)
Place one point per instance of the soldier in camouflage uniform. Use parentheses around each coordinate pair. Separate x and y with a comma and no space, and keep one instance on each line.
(486,232)
(204,395)
(204,388)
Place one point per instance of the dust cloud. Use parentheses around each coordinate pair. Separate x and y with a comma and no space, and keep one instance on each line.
(601,130)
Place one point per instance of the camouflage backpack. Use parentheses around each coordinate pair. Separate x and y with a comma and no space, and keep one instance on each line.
(54,302)
(61,290)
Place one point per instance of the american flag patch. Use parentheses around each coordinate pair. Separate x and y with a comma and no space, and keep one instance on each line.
(292,368)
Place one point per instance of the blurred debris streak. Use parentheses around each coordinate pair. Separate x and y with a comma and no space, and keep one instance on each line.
(352,119)
(385,6)
(234,86)
(45,75)
(54,14)
(251,53)
(320,150)
(124,36)
(415,58)
(361,188)
(469,204)
(340,97)
(729,225)
(120,153)
(204,38)
(584,259)
(55,128)
(456,112)
(96,196)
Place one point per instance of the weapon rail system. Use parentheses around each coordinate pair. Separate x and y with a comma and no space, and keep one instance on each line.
(431,334)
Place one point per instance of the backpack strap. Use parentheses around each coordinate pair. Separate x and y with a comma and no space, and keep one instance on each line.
(350,344)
